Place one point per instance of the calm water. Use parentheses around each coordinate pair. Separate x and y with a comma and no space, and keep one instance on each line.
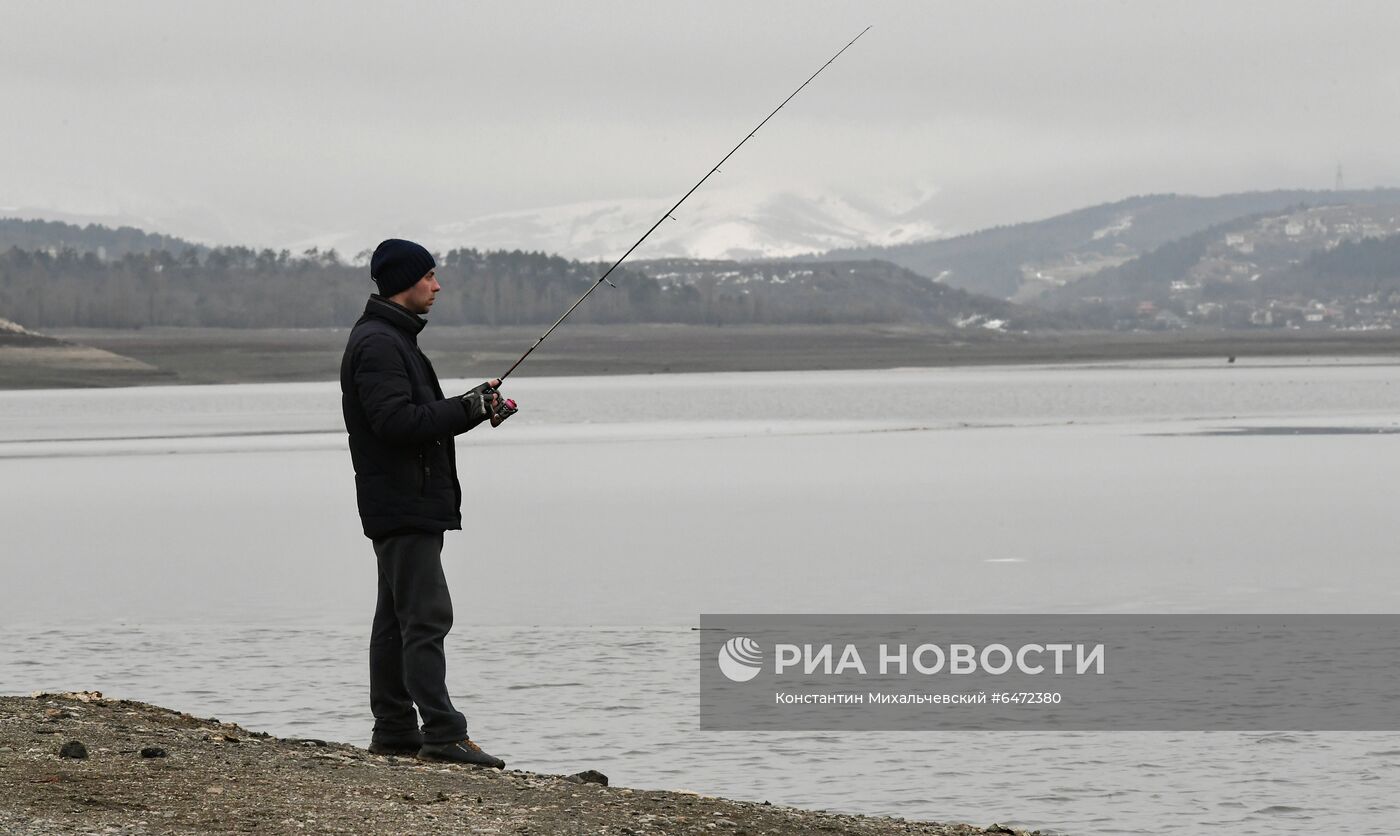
(197,547)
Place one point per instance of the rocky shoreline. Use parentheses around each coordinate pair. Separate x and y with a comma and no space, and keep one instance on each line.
(80,763)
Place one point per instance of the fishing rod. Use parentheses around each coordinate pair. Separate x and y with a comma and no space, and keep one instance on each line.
(669,213)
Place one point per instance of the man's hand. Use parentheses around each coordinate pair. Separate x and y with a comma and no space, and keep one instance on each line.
(501,408)
(481,402)
(484,402)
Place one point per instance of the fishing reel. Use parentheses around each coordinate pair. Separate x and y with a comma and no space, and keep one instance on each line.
(485,402)
(505,407)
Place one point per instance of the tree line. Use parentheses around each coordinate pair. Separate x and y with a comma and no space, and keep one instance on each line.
(106,242)
(240,287)
(1369,258)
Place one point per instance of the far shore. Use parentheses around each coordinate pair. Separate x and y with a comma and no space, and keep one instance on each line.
(168,355)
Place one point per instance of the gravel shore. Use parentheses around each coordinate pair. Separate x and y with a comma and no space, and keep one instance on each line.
(79,763)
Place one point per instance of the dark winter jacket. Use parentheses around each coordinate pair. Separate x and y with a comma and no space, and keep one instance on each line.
(401,427)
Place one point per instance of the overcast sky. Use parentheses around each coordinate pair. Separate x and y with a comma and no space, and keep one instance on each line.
(264,122)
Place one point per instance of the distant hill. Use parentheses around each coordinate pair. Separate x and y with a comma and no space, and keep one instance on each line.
(1268,259)
(240,288)
(104,242)
(1330,266)
(1364,266)
(832,292)
(1021,261)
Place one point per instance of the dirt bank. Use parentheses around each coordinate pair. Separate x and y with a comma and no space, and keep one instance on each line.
(150,770)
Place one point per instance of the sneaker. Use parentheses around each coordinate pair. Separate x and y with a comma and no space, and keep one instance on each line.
(462,751)
(401,749)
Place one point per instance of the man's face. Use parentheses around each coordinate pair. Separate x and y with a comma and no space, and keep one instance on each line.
(419,298)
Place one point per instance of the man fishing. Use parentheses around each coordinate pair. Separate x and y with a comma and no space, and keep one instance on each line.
(402,446)
(401,441)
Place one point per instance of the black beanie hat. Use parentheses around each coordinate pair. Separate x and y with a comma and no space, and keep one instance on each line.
(397,265)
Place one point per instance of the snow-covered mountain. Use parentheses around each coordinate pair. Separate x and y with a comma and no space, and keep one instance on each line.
(714,224)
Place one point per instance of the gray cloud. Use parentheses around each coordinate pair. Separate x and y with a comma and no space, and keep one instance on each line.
(269,123)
